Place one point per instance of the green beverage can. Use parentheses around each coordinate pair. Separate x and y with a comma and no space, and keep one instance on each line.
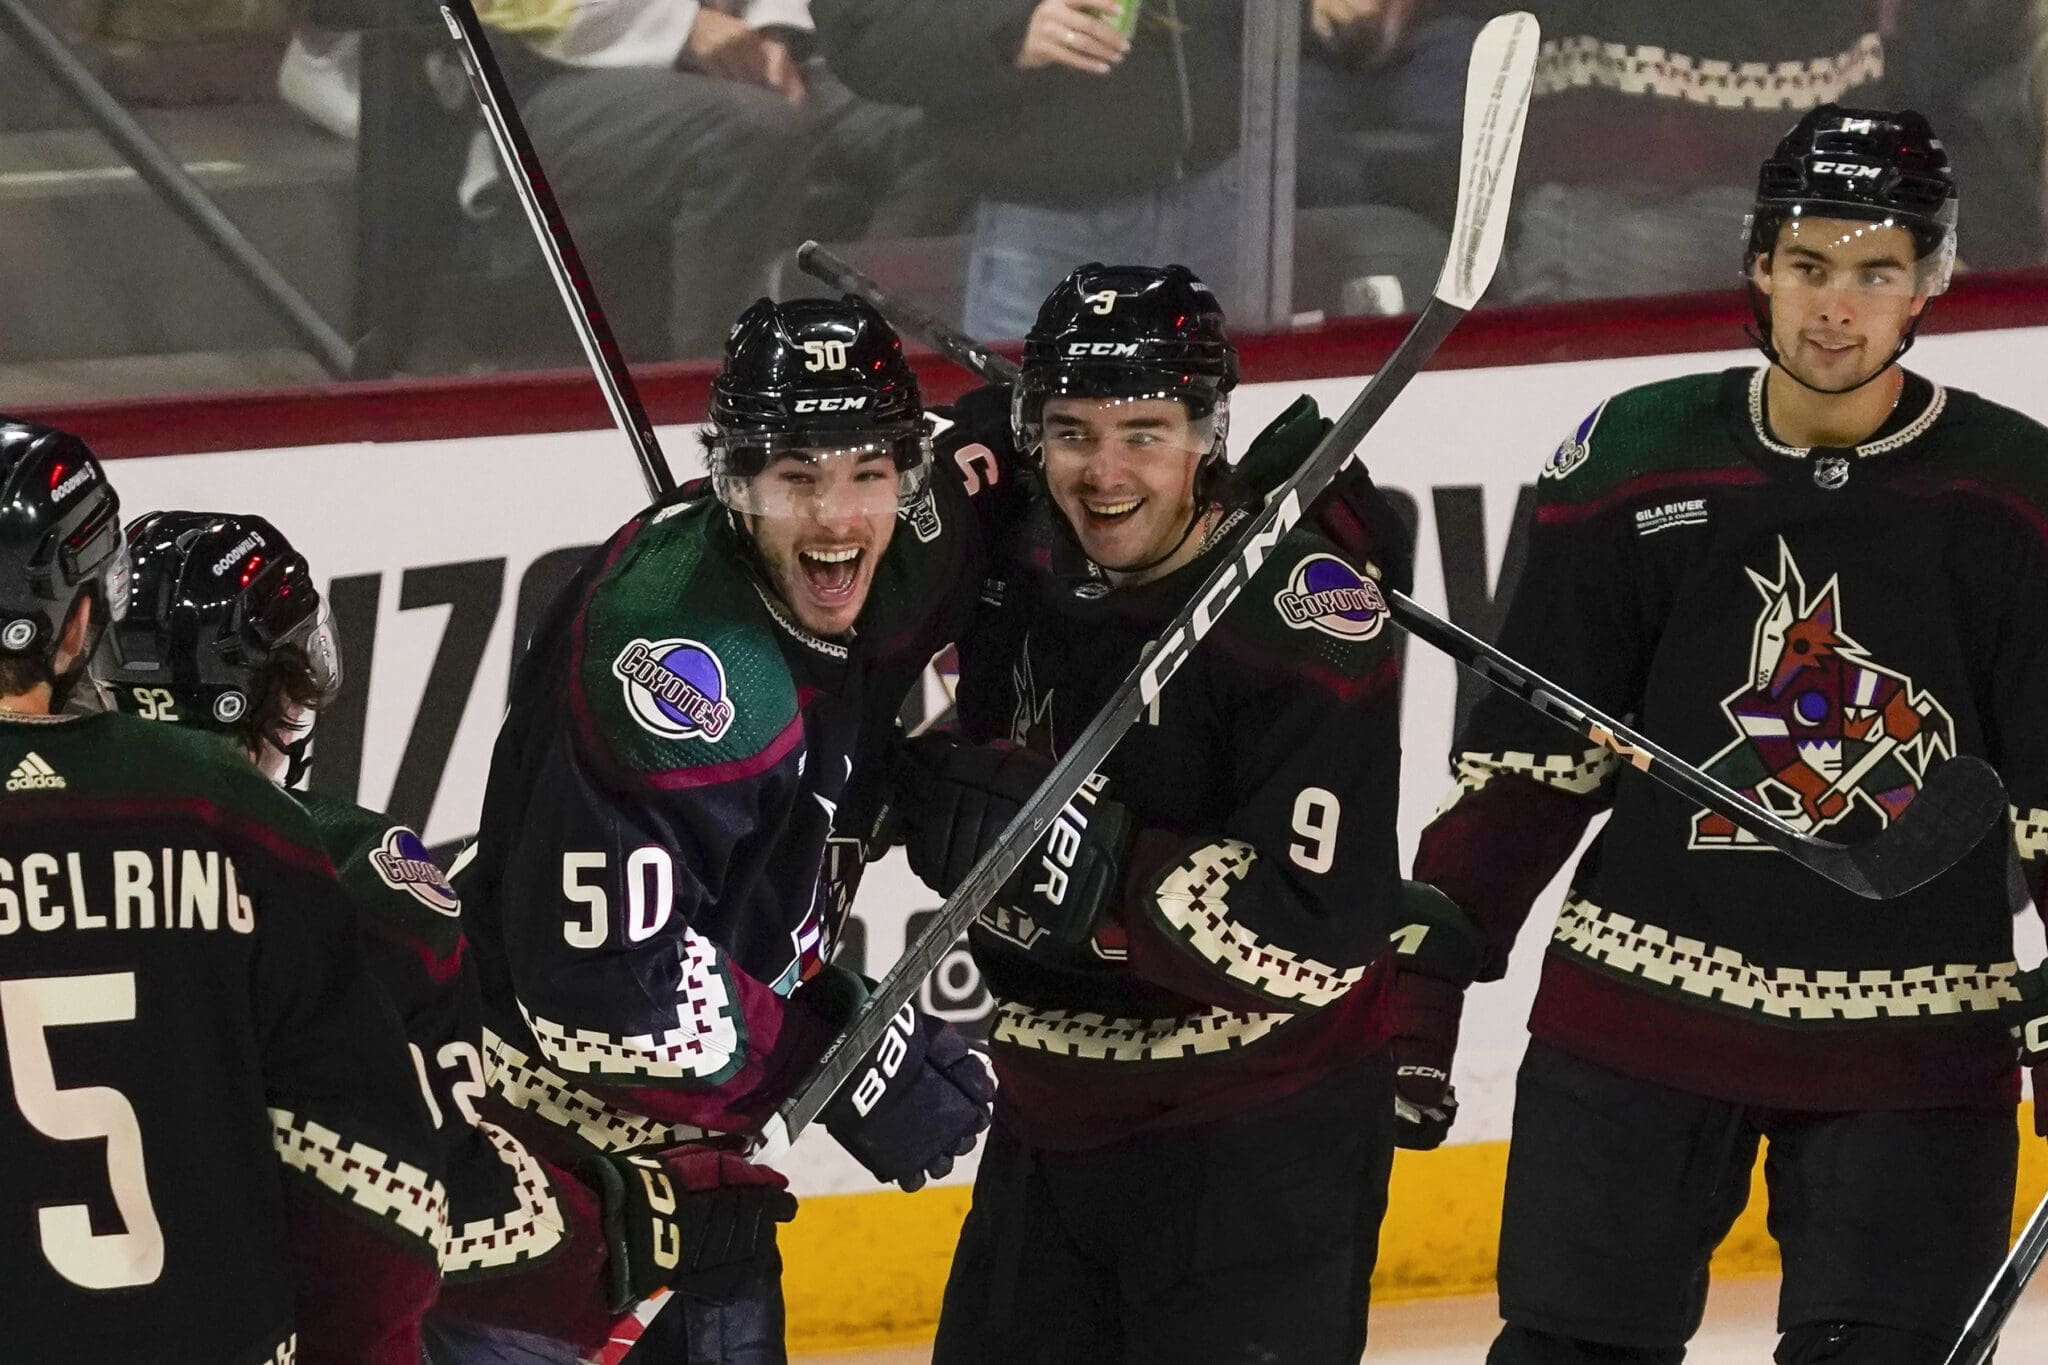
(1125,20)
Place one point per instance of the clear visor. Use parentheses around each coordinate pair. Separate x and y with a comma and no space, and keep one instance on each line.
(1866,256)
(322,646)
(1070,427)
(822,483)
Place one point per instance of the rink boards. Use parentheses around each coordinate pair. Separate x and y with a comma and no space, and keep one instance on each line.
(438,552)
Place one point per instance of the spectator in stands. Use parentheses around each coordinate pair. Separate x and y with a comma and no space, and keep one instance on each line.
(1642,137)
(1077,142)
(679,136)
(1382,101)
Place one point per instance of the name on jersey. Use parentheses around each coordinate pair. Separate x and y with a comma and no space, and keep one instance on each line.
(131,888)
(402,862)
(675,689)
(1324,593)
(1686,512)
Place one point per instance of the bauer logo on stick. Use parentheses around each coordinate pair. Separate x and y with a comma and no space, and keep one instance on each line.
(403,864)
(1326,594)
(675,688)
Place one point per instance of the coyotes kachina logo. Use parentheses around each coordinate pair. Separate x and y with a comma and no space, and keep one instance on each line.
(1822,727)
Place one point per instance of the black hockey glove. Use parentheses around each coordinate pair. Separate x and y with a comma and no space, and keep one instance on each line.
(2027,1017)
(1279,450)
(954,799)
(1438,953)
(918,1103)
(1353,512)
(697,1219)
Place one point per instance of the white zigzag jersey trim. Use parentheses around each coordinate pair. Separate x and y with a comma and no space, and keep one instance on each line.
(287,1352)
(1194,899)
(2030,832)
(700,1047)
(1096,1037)
(1581,774)
(526,1084)
(527,1233)
(1788,993)
(1576,63)
(395,1191)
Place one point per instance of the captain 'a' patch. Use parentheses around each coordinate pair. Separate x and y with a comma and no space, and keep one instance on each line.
(1822,729)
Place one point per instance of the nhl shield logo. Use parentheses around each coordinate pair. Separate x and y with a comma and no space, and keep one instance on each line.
(675,688)
(402,862)
(1326,594)
(1823,730)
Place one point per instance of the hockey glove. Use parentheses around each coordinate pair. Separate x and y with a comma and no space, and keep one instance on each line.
(955,799)
(2028,1019)
(918,1103)
(696,1219)
(1438,952)
(1279,450)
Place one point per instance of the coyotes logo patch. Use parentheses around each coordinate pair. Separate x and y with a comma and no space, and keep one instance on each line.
(1822,729)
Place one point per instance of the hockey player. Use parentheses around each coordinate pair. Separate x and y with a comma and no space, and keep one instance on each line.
(1196,1116)
(657,888)
(227,634)
(1820,579)
(215,1144)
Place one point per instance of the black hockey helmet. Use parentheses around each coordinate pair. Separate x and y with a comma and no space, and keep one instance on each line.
(1867,166)
(1133,332)
(813,375)
(60,537)
(218,601)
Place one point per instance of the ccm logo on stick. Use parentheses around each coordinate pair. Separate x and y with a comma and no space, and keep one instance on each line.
(830,404)
(889,1055)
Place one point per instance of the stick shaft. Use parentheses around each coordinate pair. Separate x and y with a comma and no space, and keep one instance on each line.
(551,234)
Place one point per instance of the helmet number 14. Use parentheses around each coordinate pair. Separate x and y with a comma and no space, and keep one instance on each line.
(825,355)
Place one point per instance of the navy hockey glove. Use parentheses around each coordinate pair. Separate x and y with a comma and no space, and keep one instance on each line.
(954,799)
(2028,1019)
(1438,951)
(696,1219)
(918,1103)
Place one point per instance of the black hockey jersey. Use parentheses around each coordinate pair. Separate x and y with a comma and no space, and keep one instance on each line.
(1246,956)
(657,871)
(215,1143)
(1819,629)
(525,1245)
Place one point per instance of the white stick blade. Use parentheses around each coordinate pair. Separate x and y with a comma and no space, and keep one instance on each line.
(1497,86)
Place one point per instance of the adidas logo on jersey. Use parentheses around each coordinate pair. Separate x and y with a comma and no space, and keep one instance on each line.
(32,774)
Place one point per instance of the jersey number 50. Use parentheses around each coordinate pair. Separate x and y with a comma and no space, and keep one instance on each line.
(29,1008)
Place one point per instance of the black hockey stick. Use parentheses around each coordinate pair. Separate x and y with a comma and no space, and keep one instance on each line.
(557,247)
(1980,1334)
(1496,105)
(1953,811)
(909,319)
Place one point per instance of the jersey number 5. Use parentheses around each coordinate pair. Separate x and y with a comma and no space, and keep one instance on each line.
(29,1008)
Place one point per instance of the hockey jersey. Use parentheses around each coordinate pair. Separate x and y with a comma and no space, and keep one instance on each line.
(1245,957)
(657,872)
(1819,629)
(525,1243)
(215,1142)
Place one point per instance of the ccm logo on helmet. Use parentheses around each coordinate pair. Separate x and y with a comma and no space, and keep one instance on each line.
(1103,348)
(1848,168)
(889,1055)
(830,404)
(72,484)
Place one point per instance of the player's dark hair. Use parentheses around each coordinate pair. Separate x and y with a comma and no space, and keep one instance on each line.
(286,681)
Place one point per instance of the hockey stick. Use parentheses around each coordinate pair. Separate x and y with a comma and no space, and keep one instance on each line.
(1980,1334)
(1496,104)
(1954,809)
(557,247)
